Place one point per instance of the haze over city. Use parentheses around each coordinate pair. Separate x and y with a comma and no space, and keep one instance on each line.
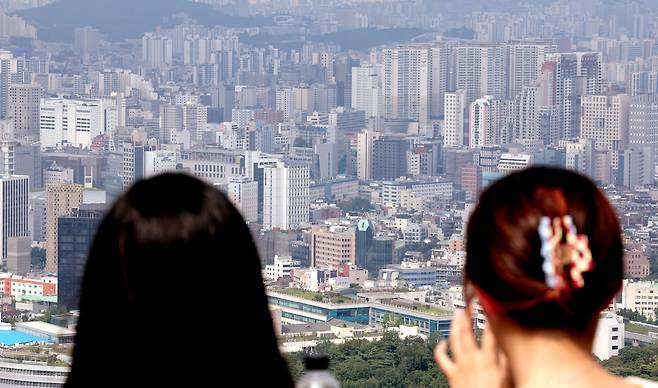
(354,137)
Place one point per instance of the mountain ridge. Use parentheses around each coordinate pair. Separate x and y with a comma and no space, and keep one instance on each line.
(123,19)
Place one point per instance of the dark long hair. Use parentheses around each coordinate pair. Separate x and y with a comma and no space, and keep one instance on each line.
(503,246)
(173,294)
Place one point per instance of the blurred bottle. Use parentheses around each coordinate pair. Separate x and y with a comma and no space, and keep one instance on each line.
(317,374)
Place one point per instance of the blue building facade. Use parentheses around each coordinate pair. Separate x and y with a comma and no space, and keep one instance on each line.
(302,310)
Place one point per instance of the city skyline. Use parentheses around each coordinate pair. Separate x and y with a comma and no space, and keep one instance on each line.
(354,136)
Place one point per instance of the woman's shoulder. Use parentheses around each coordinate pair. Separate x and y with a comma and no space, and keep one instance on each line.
(642,382)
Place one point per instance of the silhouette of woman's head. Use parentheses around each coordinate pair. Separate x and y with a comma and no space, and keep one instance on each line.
(504,250)
(173,292)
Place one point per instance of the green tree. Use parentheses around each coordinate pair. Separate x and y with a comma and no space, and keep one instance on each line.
(634,316)
(635,361)
(389,362)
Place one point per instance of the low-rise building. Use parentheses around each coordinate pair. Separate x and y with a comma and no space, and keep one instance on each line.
(282,266)
(411,273)
(47,331)
(299,310)
(641,297)
(15,285)
(609,338)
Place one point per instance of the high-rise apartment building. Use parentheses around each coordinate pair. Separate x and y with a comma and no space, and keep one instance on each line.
(157,51)
(415,78)
(455,118)
(483,123)
(643,82)
(86,42)
(195,117)
(525,62)
(526,118)
(575,75)
(364,154)
(481,70)
(367,89)
(171,121)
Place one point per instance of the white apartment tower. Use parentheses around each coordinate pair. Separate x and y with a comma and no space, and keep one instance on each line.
(286,196)
(364,154)
(575,74)
(525,65)
(483,126)
(527,116)
(367,90)
(454,118)
(415,78)
(481,70)
(284,103)
(157,51)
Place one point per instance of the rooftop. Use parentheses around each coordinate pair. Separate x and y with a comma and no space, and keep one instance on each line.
(314,296)
(12,338)
(46,328)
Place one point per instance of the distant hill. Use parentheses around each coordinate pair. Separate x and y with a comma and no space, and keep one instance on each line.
(356,39)
(123,19)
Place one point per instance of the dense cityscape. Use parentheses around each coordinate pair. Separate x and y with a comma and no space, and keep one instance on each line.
(354,137)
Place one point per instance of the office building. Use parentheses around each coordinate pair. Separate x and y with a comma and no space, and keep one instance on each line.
(61,200)
(643,122)
(71,123)
(285,195)
(75,234)
(19,255)
(14,204)
(389,158)
(23,107)
(332,246)
(605,121)
(243,193)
